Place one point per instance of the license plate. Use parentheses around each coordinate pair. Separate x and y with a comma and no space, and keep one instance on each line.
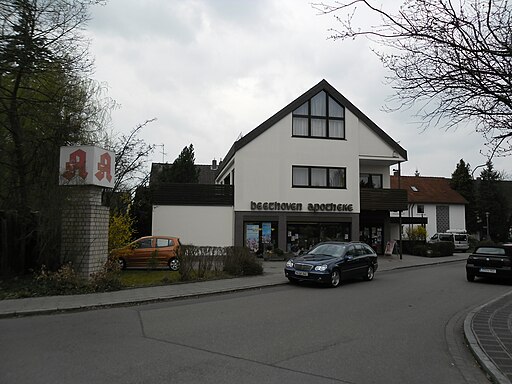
(487,270)
(301,273)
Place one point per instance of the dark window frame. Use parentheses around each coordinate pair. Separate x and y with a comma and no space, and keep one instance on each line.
(327,118)
(371,176)
(327,172)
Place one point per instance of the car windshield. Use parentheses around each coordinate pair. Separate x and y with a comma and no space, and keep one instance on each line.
(334,250)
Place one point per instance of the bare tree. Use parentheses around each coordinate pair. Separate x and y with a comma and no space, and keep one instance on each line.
(132,154)
(449,59)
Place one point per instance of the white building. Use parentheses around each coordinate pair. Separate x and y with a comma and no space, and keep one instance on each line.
(318,169)
(432,203)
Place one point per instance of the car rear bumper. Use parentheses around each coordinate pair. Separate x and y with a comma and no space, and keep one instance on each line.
(498,272)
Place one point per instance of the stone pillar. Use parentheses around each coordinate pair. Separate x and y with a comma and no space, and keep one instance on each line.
(85,224)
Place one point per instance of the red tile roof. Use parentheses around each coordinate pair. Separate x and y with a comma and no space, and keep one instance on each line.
(429,190)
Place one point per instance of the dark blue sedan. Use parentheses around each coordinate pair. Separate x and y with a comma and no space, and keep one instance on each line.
(331,262)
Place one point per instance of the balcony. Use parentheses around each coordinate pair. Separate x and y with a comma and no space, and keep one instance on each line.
(383,199)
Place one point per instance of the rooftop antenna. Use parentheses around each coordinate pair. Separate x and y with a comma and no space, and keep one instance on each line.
(162,152)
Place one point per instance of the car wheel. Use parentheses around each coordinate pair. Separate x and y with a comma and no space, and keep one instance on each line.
(174,264)
(293,281)
(335,278)
(470,277)
(370,273)
(122,263)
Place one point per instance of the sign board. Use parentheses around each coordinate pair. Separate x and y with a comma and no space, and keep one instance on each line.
(86,165)
(389,247)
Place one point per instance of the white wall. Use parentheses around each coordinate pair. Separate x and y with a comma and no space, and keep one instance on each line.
(457,216)
(264,167)
(197,225)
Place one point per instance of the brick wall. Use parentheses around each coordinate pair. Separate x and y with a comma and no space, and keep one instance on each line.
(85,230)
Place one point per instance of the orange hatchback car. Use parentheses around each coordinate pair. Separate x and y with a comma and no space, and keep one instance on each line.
(150,251)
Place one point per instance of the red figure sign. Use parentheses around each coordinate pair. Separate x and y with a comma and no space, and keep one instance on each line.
(104,167)
(77,161)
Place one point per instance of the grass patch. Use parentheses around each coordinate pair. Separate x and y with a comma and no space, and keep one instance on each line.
(132,278)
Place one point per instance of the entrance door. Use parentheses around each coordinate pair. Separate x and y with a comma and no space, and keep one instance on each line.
(374,237)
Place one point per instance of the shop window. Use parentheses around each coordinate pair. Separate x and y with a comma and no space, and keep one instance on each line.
(261,236)
(370,180)
(302,236)
(318,177)
(320,117)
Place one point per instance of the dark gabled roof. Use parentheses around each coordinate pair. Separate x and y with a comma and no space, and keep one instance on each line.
(428,190)
(321,86)
(207,173)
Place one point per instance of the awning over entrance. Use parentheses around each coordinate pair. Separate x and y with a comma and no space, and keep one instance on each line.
(409,220)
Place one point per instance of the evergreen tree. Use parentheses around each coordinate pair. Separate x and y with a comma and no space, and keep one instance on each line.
(492,205)
(183,170)
(462,182)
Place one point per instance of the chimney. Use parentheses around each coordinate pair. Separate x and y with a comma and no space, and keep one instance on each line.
(214,165)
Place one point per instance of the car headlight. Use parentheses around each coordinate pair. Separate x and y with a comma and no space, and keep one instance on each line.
(321,268)
(289,263)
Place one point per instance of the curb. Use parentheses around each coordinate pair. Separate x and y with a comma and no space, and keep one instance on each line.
(149,300)
(485,362)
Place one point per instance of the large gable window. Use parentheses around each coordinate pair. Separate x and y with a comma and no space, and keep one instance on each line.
(319,117)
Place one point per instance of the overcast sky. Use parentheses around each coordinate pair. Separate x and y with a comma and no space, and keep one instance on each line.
(212,70)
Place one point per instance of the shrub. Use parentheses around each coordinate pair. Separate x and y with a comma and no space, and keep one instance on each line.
(419,250)
(443,248)
(186,258)
(200,262)
(63,281)
(239,261)
(416,233)
(412,247)
(153,260)
(120,230)
(108,279)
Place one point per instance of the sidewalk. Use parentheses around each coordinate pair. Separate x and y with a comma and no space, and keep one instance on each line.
(273,275)
(487,328)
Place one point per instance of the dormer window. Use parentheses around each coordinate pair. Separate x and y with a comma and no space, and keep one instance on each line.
(319,117)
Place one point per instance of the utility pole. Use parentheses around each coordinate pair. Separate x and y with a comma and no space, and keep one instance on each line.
(487,222)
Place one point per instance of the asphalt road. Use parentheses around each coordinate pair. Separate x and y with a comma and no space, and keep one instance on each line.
(403,327)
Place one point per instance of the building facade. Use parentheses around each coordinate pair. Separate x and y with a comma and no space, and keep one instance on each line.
(319,169)
(431,203)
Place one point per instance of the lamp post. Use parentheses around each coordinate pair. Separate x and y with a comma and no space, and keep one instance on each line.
(487,223)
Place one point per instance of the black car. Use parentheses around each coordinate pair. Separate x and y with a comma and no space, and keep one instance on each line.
(490,261)
(330,262)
